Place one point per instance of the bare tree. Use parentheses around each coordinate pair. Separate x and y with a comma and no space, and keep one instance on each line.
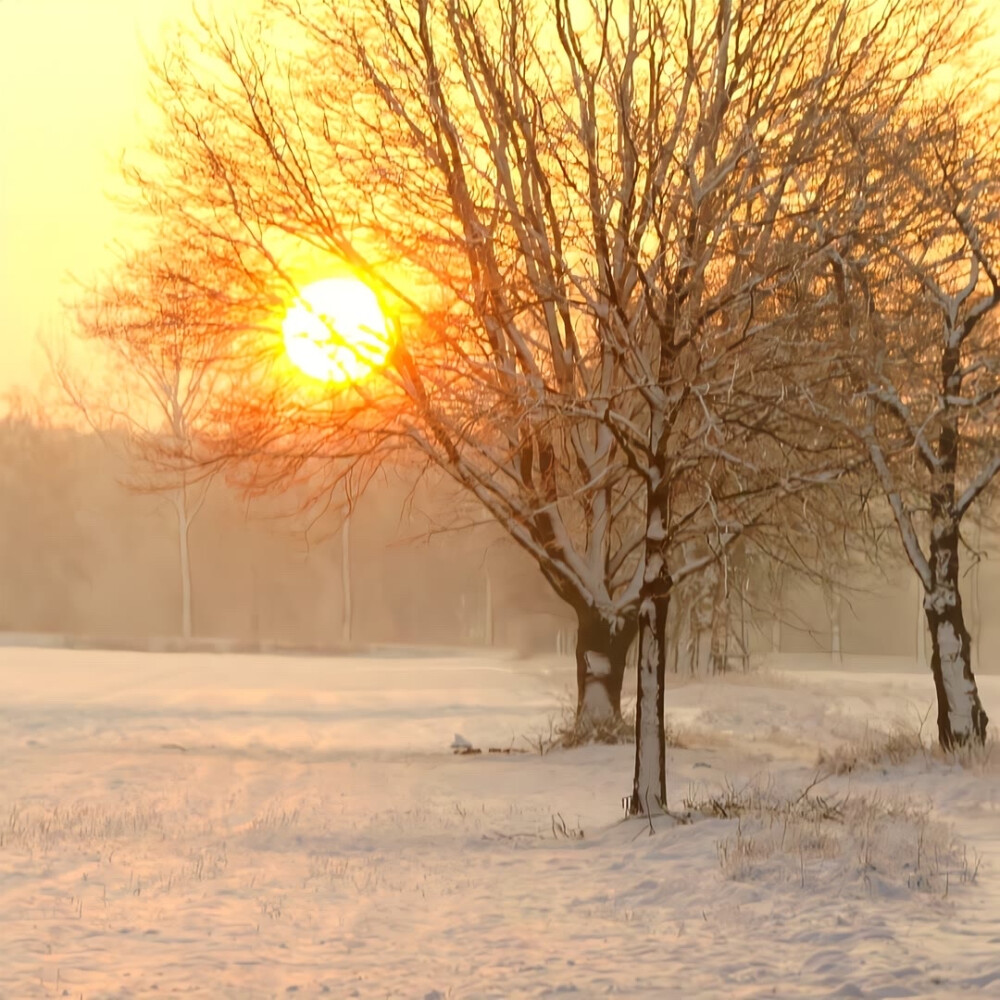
(475,236)
(730,133)
(161,337)
(917,341)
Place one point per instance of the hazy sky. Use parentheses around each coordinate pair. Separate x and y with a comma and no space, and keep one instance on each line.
(72,88)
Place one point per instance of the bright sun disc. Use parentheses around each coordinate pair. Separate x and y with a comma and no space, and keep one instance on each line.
(335,331)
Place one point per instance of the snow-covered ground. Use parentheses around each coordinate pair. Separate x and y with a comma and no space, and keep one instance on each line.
(224,826)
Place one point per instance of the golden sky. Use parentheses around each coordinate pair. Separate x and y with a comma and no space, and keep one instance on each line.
(73,84)
(72,92)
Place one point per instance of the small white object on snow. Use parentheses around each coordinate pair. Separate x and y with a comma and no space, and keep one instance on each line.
(460,743)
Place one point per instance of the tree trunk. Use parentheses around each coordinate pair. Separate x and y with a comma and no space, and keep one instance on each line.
(488,610)
(184,553)
(649,784)
(832,602)
(602,645)
(961,718)
(719,650)
(347,615)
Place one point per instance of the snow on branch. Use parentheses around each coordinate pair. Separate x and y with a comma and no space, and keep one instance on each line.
(978,484)
(904,520)
(889,399)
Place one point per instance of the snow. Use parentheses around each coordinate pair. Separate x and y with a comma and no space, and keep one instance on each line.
(958,687)
(596,700)
(252,827)
(598,665)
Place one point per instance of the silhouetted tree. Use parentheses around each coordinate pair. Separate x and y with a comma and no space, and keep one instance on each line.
(158,338)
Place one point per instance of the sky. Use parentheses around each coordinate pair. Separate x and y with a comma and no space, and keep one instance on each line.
(73,91)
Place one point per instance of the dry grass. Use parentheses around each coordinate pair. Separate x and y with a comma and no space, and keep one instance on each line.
(566,731)
(979,758)
(572,732)
(40,828)
(902,742)
(876,748)
(883,842)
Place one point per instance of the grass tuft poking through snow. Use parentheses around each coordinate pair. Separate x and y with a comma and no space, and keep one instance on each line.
(980,758)
(884,842)
(876,748)
(902,743)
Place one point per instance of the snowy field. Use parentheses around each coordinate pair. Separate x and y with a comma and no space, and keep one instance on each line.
(251,827)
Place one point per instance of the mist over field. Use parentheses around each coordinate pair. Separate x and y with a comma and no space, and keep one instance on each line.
(93,557)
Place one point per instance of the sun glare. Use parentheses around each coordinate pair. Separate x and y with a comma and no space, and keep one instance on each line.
(335,331)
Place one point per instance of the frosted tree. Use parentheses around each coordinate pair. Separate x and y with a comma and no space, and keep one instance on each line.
(916,347)
(733,130)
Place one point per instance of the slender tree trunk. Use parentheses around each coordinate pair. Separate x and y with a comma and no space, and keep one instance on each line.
(682,638)
(347,618)
(488,610)
(779,614)
(602,646)
(744,640)
(832,601)
(184,553)
(961,717)
(649,784)
(921,636)
(719,650)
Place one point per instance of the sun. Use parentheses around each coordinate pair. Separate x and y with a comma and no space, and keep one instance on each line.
(335,331)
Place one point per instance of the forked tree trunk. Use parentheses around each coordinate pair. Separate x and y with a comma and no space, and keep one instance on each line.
(961,717)
(602,646)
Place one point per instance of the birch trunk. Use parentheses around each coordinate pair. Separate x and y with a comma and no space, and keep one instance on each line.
(961,719)
(347,611)
(488,611)
(832,601)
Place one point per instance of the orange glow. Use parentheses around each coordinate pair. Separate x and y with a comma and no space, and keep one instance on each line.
(335,331)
